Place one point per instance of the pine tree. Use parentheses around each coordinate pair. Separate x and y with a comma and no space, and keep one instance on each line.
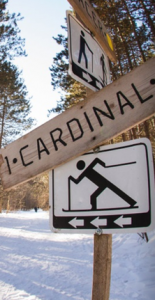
(14,102)
(11,44)
(127,24)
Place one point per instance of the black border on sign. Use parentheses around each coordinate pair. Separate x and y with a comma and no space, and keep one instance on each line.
(138,219)
(76,69)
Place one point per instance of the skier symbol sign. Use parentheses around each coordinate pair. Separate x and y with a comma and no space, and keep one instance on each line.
(87,61)
(112,189)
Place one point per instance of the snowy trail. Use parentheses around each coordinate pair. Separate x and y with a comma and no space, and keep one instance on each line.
(36,264)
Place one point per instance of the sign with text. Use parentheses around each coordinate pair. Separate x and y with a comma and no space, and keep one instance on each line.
(91,19)
(88,63)
(112,190)
(102,116)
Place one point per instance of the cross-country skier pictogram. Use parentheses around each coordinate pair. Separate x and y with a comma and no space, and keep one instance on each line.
(101,182)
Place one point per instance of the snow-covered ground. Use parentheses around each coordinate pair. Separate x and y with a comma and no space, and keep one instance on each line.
(36,264)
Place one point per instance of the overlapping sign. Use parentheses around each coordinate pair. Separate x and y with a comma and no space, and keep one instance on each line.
(91,19)
(87,61)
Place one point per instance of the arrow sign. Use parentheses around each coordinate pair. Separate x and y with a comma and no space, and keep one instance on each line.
(112,190)
(76,222)
(122,220)
(99,85)
(99,222)
(87,77)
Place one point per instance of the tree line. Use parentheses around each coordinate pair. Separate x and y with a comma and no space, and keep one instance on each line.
(34,193)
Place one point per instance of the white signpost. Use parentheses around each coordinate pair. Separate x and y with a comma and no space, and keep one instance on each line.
(88,63)
(112,190)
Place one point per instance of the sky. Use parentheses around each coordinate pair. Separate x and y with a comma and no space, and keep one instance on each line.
(42,21)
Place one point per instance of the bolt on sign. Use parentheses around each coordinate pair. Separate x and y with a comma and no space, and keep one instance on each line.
(111,189)
(90,18)
(102,116)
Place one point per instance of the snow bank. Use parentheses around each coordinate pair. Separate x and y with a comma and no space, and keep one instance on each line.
(37,264)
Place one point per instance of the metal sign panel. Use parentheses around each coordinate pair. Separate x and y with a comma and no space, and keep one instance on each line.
(112,190)
(90,123)
(91,19)
(88,63)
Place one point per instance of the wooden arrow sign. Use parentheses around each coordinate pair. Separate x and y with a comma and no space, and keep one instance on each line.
(102,116)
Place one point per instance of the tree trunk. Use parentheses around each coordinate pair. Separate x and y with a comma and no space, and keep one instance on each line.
(148,18)
(2,122)
(125,45)
(146,128)
(134,30)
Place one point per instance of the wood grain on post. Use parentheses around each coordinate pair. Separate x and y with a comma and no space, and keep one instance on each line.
(102,266)
(116,108)
(89,92)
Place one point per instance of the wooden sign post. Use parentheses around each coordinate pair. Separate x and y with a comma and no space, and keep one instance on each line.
(102,266)
(102,242)
(102,116)
(101,260)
